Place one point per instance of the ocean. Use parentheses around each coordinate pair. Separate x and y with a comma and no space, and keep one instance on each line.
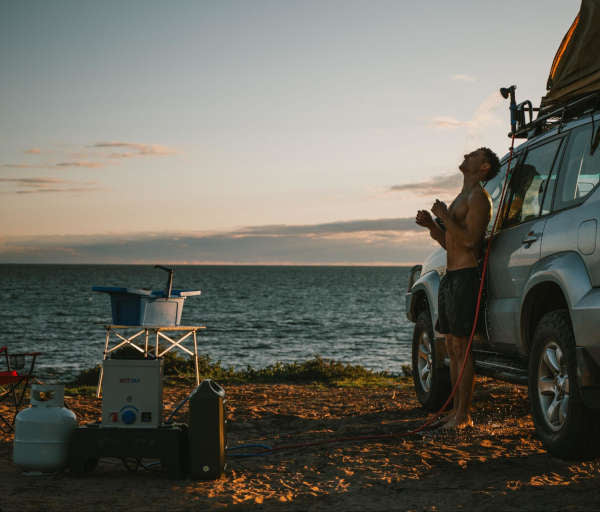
(254,315)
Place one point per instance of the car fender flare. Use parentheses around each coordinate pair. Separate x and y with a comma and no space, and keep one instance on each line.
(567,271)
(429,284)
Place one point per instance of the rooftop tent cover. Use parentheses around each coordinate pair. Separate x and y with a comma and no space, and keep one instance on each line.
(576,66)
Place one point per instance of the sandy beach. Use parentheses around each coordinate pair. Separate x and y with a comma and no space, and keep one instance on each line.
(497,465)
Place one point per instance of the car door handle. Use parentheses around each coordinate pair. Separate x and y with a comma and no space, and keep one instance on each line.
(529,239)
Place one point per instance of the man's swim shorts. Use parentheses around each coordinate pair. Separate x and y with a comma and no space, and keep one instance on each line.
(457,300)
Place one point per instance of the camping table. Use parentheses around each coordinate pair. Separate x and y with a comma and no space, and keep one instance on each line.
(140,341)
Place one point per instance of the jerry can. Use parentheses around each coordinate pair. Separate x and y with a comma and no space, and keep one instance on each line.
(206,431)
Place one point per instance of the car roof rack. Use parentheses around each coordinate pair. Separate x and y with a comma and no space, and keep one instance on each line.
(549,116)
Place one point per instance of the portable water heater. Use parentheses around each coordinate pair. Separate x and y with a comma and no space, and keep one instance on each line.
(132,393)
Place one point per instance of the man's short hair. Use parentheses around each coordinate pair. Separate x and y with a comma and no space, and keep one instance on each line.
(492,159)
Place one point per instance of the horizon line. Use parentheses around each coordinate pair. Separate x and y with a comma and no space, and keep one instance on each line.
(226,264)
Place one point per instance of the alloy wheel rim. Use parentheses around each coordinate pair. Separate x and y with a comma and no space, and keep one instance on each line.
(553,386)
(424,365)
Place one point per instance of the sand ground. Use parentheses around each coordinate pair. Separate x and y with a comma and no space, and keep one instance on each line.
(497,465)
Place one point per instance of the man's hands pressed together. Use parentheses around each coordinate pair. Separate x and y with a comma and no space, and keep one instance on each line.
(424,219)
(440,210)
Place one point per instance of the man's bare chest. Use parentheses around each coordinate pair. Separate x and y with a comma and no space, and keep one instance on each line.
(459,208)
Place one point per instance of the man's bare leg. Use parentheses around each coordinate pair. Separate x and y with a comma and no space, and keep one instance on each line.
(464,393)
(451,413)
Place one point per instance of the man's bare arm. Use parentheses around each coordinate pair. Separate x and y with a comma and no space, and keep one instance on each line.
(438,234)
(435,231)
(476,221)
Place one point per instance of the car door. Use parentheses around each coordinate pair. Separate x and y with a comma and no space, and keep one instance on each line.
(574,224)
(517,243)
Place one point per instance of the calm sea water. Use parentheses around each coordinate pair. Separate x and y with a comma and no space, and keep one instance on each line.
(255,315)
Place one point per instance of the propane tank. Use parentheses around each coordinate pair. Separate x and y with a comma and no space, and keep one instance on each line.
(206,431)
(42,431)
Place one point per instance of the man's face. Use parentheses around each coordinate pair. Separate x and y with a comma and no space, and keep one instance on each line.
(474,163)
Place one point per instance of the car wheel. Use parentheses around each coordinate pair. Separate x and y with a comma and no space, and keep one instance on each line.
(563,423)
(431,379)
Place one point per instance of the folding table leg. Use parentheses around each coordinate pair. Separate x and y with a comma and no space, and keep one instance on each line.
(99,389)
(196,359)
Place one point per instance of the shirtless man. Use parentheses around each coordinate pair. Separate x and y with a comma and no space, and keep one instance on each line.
(465,223)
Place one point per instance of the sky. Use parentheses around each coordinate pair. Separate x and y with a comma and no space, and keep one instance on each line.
(251,131)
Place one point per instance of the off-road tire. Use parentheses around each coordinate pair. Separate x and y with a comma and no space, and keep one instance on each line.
(574,433)
(439,379)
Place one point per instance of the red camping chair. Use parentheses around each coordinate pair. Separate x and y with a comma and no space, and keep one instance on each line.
(14,381)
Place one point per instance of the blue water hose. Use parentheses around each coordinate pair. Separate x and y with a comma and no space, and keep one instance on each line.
(179,406)
(266,447)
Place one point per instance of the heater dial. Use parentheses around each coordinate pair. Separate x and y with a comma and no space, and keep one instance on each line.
(128,417)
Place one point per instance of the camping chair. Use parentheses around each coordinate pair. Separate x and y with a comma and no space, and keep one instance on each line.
(14,380)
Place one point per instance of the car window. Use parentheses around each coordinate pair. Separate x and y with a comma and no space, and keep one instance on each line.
(529,184)
(494,188)
(580,171)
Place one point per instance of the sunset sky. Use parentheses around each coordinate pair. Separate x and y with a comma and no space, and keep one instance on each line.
(251,131)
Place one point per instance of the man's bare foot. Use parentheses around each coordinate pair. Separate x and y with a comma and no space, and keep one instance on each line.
(444,418)
(449,415)
(458,423)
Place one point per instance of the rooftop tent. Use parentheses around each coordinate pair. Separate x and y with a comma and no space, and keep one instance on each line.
(576,66)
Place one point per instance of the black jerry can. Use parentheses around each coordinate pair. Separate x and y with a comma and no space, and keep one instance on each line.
(206,431)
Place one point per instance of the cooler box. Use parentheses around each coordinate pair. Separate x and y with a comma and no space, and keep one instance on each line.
(134,306)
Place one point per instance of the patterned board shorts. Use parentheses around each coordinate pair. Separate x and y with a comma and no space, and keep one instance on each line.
(457,300)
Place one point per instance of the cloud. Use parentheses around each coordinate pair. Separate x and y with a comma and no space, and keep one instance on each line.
(392,241)
(460,77)
(123,155)
(73,163)
(58,190)
(46,184)
(140,149)
(330,228)
(23,166)
(485,115)
(33,182)
(448,122)
(80,159)
(81,163)
(443,184)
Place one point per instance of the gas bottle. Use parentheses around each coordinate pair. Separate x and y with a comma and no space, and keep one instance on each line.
(206,431)
(42,431)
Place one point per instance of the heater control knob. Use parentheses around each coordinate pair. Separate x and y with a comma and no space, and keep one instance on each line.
(128,417)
